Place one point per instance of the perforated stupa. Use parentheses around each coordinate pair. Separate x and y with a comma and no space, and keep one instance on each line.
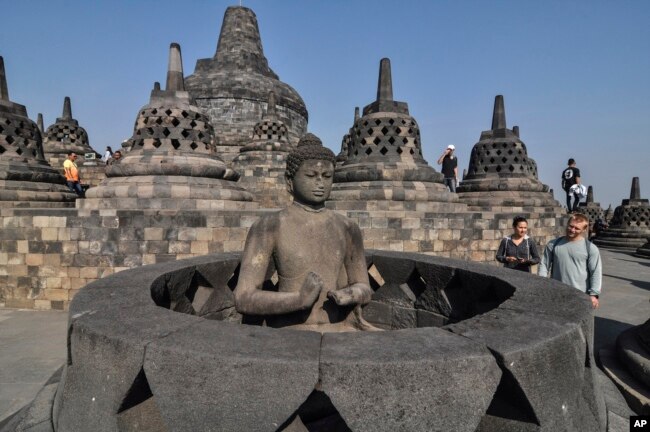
(26,179)
(172,162)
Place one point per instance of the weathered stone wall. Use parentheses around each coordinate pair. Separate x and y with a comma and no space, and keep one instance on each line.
(47,255)
(234,119)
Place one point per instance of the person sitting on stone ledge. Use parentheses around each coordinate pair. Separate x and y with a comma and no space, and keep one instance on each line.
(116,158)
(318,254)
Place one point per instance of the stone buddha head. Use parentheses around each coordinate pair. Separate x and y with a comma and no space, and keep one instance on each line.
(310,172)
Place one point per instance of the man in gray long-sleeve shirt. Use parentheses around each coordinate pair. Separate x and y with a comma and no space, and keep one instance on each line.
(570,261)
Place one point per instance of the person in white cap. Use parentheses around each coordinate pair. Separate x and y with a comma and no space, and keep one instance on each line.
(449,164)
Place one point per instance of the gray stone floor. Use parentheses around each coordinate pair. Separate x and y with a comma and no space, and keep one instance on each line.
(33,345)
(32,348)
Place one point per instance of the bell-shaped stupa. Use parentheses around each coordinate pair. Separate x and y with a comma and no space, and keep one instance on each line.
(591,209)
(262,161)
(629,229)
(26,179)
(345,142)
(232,87)
(66,136)
(384,156)
(172,162)
(500,172)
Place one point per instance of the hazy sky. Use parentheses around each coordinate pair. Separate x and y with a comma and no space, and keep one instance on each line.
(575,74)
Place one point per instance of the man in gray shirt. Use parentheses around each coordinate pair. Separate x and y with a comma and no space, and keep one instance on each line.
(574,260)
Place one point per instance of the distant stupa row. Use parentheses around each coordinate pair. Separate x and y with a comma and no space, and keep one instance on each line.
(172,162)
(26,179)
(193,139)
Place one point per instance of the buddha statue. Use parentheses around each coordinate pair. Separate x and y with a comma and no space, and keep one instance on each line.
(318,254)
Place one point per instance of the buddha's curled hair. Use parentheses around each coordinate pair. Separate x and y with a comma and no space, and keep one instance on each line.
(309,147)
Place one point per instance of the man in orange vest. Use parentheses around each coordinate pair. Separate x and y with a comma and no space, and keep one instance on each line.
(72,174)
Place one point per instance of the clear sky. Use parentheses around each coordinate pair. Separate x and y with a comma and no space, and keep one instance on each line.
(575,74)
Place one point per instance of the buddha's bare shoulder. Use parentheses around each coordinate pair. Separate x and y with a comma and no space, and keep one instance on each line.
(349,224)
(268,222)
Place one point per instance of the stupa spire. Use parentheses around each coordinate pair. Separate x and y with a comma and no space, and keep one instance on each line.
(635,190)
(499,114)
(240,42)
(67,109)
(4,91)
(590,194)
(39,122)
(175,69)
(356,113)
(385,84)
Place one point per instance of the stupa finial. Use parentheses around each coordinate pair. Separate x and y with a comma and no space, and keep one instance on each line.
(156,86)
(39,122)
(635,190)
(499,114)
(67,109)
(356,113)
(590,194)
(515,130)
(4,91)
(385,85)
(175,80)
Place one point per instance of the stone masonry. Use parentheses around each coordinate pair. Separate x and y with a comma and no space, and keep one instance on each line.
(500,173)
(262,161)
(26,179)
(232,88)
(173,162)
(630,226)
(591,209)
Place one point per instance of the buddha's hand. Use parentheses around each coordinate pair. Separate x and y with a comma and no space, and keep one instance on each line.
(342,297)
(310,290)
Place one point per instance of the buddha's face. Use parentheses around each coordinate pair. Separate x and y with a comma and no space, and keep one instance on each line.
(312,183)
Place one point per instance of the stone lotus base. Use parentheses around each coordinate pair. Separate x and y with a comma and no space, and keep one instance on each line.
(472,348)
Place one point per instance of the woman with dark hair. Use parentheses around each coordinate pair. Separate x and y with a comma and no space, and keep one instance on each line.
(518,251)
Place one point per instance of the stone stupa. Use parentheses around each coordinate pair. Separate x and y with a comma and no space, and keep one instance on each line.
(384,161)
(172,162)
(629,229)
(262,161)
(65,136)
(500,173)
(26,179)
(591,209)
(232,88)
(345,142)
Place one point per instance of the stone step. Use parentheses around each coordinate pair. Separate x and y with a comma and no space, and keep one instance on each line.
(636,394)
(633,355)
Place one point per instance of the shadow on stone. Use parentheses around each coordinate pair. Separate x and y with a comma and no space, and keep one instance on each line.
(316,414)
(138,411)
(510,402)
